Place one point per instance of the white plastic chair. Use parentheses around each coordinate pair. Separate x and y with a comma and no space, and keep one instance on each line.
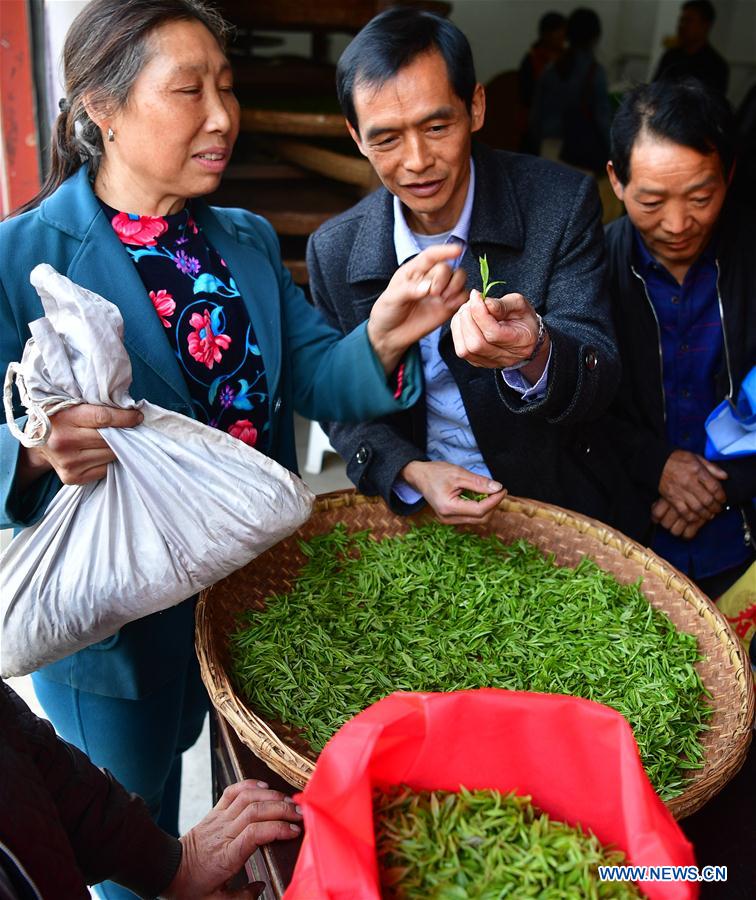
(317,446)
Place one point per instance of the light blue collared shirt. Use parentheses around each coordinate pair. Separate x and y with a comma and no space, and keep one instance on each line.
(449,435)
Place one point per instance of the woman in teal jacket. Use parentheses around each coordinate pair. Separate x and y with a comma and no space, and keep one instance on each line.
(214,327)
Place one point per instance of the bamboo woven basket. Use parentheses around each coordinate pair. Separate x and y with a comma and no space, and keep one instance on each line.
(725,670)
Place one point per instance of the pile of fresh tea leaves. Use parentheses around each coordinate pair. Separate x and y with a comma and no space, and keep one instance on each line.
(483,844)
(439,609)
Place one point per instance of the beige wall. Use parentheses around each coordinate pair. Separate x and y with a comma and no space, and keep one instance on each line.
(500,32)
(632,30)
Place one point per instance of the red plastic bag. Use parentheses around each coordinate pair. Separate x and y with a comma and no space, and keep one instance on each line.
(577,759)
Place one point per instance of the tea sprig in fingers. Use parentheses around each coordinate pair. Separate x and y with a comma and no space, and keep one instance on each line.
(487,285)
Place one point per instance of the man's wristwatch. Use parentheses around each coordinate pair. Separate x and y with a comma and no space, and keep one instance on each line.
(538,344)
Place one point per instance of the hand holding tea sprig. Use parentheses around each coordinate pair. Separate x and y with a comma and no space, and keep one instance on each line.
(500,333)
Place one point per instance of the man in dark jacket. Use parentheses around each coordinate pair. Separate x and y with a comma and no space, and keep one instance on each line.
(682,271)
(65,824)
(516,404)
(694,56)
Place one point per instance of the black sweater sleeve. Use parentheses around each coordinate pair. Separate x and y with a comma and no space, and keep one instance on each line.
(109,832)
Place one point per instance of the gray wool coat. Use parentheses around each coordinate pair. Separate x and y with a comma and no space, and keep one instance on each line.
(539,224)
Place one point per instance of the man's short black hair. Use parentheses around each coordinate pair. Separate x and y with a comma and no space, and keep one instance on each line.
(704,8)
(391,41)
(685,111)
(583,27)
(550,21)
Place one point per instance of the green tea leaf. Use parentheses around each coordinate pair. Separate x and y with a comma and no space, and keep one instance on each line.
(472,495)
(483,260)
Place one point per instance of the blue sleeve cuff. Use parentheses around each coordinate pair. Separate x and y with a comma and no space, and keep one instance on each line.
(514,379)
(405,492)
(412,376)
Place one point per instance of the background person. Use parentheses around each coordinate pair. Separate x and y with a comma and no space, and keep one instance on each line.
(552,31)
(571,112)
(214,327)
(518,410)
(744,179)
(682,265)
(693,56)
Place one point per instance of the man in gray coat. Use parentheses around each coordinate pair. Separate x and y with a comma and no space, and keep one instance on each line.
(514,385)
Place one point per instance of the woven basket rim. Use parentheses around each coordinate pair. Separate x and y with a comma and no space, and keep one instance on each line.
(296,768)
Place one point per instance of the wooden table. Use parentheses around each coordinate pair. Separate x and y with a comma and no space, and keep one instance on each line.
(723,832)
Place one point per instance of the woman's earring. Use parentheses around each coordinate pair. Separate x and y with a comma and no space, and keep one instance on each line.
(111,135)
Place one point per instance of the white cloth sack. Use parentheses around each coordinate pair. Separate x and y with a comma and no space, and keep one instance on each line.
(183,506)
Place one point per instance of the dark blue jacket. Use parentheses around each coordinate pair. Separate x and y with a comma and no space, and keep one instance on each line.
(540,225)
(636,419)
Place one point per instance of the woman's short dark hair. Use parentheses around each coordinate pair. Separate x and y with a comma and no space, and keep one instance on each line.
(550,21)
(685,111)
(105,49)
(391,41)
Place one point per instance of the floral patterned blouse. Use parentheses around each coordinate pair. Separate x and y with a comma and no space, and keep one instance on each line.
(205,320)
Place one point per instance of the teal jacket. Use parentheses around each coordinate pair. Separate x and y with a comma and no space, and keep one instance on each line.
(310,367)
